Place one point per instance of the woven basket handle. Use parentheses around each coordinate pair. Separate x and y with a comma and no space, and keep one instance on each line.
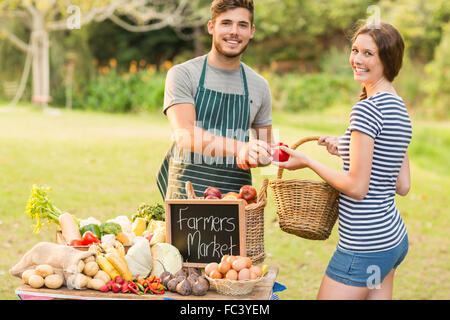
(261,195)
(190,190)
(295,146)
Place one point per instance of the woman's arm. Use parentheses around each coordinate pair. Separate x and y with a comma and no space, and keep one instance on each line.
(403,183)
(355,182)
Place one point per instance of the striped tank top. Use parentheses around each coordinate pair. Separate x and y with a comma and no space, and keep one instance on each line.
(374,223)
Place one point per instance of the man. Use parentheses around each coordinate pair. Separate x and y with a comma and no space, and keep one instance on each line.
(212,103)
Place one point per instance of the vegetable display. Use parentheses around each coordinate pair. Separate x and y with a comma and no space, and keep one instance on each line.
(146,265)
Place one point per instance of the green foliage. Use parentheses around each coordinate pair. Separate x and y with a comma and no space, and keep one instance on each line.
(107,40)
(317,91)
(150,212)
(128,92)
(420,23)
(438,87)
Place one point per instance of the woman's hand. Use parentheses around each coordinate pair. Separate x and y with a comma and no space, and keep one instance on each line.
(297,160)
(331,142)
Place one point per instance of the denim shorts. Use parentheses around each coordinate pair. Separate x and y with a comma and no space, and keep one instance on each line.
(365,269)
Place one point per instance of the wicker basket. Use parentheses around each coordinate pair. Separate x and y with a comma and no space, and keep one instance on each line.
(233,287)
(254,221)
(306,208)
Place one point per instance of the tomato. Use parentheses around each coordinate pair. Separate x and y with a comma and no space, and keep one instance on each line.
(76,243)
(277,154)
(89,238)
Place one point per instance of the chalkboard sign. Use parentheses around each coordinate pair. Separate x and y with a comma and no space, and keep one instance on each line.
(205,230)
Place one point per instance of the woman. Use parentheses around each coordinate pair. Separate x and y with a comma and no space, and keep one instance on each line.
(372,236)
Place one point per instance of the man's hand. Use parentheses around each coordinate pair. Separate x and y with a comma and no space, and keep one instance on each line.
(251,152)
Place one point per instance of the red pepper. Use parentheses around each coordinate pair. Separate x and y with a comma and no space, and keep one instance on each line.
(133,287)
(89,238)
(149,286)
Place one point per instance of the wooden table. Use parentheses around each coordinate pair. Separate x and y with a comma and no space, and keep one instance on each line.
(262,291)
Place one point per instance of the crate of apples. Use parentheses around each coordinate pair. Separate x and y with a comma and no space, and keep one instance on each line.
(234,275)
(247,193)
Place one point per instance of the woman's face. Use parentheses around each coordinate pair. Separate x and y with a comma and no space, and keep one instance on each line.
(365,61)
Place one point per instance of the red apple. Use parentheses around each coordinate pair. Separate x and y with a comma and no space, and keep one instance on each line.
(247,193)
(277,154)
(211,197)
(231,196)
(212,191)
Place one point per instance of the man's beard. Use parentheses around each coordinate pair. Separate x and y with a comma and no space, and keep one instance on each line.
(218,47)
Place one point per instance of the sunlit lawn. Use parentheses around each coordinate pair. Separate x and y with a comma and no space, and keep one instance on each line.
(105,165)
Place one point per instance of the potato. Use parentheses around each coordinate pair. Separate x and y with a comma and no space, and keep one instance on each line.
(90,268)
(44,270)
(36,281)
(80,281)
(80,266)
(89,259)
(102,275)
(27,274)
(257,270)
(53,281)
(95,284)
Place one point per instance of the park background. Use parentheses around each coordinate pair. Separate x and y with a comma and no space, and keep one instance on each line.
(99,140)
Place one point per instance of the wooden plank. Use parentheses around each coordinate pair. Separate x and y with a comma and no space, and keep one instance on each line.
(262,291)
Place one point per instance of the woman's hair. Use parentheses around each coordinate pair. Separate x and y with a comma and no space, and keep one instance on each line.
(220,6)
(390,48)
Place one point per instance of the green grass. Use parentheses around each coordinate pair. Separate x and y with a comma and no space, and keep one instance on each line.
(105,165)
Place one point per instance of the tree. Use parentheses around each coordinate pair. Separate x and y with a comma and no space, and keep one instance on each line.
(41,17)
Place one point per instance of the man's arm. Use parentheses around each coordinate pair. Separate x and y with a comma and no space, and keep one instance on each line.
(190,137)
(263,133)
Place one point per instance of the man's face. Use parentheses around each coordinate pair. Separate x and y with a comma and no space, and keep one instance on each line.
(231,31)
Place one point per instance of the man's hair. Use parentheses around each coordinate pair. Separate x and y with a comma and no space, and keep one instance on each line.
(220,6)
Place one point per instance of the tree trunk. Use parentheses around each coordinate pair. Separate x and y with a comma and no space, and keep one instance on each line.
(41,67)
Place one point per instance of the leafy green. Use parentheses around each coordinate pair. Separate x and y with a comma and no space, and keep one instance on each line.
(95,229)
(110,228)
(40,208)
(148,212)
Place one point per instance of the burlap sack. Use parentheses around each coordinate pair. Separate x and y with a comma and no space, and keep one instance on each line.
(62,258)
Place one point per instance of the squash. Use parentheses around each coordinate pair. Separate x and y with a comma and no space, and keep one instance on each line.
(69,227)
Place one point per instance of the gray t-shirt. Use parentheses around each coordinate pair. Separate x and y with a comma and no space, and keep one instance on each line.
(182,82)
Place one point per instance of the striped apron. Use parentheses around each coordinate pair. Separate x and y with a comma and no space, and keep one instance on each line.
(222,114)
